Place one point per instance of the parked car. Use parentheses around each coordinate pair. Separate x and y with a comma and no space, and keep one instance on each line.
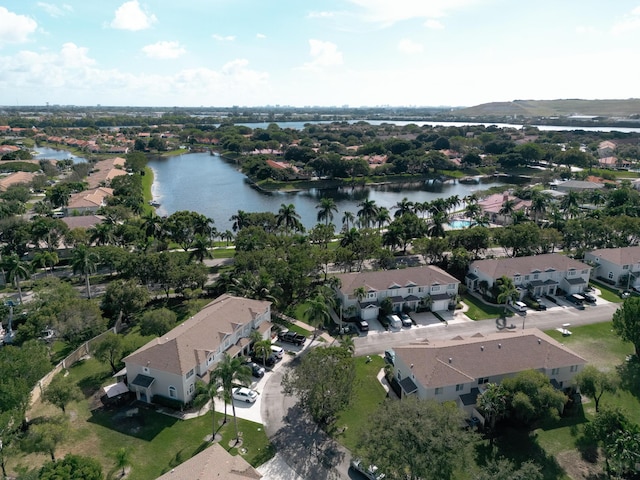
(625,294)
(244,394)
(363,325)
(270,361)
(291,337)
(541,305)
(406,320)
(394,321)
(589,297)
(371,472)
(390,357)
(519,306)
(577,301)
(256,370)
(277,351)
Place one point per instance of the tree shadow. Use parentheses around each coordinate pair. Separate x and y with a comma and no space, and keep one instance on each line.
(92,383)
(134,420)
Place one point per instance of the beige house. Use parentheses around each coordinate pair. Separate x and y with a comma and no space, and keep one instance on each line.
(169,366)
(213,463)
(88,201)
(493,207)
(16,178)
(539,274)
(458,369)
(618,265)
(406,287)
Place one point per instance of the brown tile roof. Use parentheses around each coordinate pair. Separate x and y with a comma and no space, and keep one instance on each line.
(189,344)
(619,256)
(497,267)
(493,203)
(385,279)
(105,170)
(450,362)
(90,198)
(82,221)
(15,179)
(213,463)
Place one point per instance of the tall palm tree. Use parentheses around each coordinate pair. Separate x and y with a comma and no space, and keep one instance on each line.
(317,311)
(231,373)
(262,349)
(326,208)
(153,225)
(493,404)
(570,202)
(227,236)
(507,292)
(367,212)
(240,220)
(16,269)
(539,205)
(207,393)
(508,207)
(200,248)
(403,207)
(102,234)
(348,218)
(382,217)
(437,223)
(85,261)
(289,218)
(45,259)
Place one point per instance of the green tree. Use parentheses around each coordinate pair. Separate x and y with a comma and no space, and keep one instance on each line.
(110,349)
(323,383)
(533,398)
(493,403)
(317,311)
(367,213)
(157,322)
(288,218)
(231,373)
(62,391)
(46,436)
(416,438)
(200,248)
(626,322)
(326,209)
(507,291)
(503,469)
(262,349)
(122,457)
(45,259)
(84,261)
(72,467)
(15,270)
(124,296)
(206,393)
(594,383)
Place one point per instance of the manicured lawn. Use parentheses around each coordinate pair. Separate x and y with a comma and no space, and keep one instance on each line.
(223,252)
(369,395)
(611,294)
(481,311)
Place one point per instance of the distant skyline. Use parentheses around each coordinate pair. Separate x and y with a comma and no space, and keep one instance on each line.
(316,53)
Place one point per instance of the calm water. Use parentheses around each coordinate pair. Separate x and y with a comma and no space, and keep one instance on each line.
(53,154)
(214,187)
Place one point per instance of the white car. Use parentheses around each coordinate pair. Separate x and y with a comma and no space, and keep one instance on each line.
(244,394)
(371,472)
(277,351)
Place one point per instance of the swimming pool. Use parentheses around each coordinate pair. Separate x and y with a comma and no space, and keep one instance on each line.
(459,224)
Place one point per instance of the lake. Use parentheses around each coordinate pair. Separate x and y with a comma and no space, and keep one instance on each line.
(214,187)
(54,154)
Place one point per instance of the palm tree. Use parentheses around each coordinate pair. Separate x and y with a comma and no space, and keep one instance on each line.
(326,208)
(231,373)
(346,342)
(403,207)
(200,248)
(347,218)
(240,220)
(45,259)
(102,234)
(262,349)
(349,237)
(508,207)
(436,224)
(570,203)
(123,459)
(207,393)
(473,211)
(227,236)
(493,404)
(539,204)
(153,225)
(317,311)
(382,217)
(84,261)
(288,217)
(16,269)
(367,212)
(507,291)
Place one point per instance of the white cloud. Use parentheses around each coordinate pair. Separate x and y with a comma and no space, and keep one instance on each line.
(15,28)
(130,16)
(223,38)
(433,24)
(586,30)
(164,50)
(261,36)
(320,14)
(54,10)
(388,13)
(409,46)
(323,54)
(629,23)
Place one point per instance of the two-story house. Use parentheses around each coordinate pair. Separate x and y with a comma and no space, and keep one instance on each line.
(406,287)
(457,369)
(168,366)
(539,274)
(618,265)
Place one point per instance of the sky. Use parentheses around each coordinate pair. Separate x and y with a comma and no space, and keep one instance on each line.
(192,53)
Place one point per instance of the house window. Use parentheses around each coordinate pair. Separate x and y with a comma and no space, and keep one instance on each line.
(526,278)
(190,389)
(574,368)
(399,375)
(172,391)
(585,271)
(610,275)
(625,267)
(571,273)
(435,288)
(420,289)
(451,286)
(438,390)
(535,276)
(459,387)
(555,371)
(190,373)
(409,290)
(371,295)
(483,380)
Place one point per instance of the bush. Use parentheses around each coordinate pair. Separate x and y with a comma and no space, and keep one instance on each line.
(168,402)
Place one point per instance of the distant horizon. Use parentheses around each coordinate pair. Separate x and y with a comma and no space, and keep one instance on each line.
(406,53)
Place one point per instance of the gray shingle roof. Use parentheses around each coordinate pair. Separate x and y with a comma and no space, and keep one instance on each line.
(497,267)
(387,279)
(619,256)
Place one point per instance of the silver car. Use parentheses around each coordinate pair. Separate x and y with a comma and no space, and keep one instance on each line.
(371,472)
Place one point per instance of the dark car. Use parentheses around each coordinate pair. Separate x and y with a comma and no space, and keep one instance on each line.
(589,297)
(291,337)
(270,361)
(363,325)
(256,370)
(577,301)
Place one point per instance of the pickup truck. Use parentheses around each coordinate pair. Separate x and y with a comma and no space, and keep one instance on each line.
(291,337)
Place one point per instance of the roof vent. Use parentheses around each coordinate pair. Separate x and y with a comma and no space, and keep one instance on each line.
(412,365)
(539,341)
(450,359)
(499,345)
(482,348)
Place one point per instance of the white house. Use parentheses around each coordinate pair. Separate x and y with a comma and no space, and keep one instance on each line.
(406,287)
(169,366)
(619,265)
(539,274)
(457,369)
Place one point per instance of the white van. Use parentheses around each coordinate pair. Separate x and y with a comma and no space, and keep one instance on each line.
(394,321)
(520,306)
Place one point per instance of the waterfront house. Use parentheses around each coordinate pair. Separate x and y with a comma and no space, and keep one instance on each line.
(458,369)
(578,186)
(88,201)
(170,365)
(620,266)
(538,274)
(407,288)
(493,206)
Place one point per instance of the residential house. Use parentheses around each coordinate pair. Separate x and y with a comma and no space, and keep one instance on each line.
(493,206)
(169,366)
(16,178)
(458,369)
(213,463)
(606,148)
(88,201)
(538,274)
(578,186)
(618,265)
(407,288)
(106,170)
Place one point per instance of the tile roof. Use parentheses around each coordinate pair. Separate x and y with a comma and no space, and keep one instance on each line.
(213,463)
(618,256)
(189,344)
(15,179)
(451,362)
(388,279)
(497,267)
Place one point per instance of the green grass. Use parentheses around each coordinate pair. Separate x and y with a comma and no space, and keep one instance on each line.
(223,252)
(147,182)
(368,396)
(481,311)
(607,292)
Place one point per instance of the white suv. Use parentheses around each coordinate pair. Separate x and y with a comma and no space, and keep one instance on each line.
(277,351)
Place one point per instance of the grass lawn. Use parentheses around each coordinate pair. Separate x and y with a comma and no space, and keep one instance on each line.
(369,395)
(223,252)
(611,294)
(481,311)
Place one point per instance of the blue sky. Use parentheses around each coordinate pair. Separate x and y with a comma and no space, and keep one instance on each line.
(311,52)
